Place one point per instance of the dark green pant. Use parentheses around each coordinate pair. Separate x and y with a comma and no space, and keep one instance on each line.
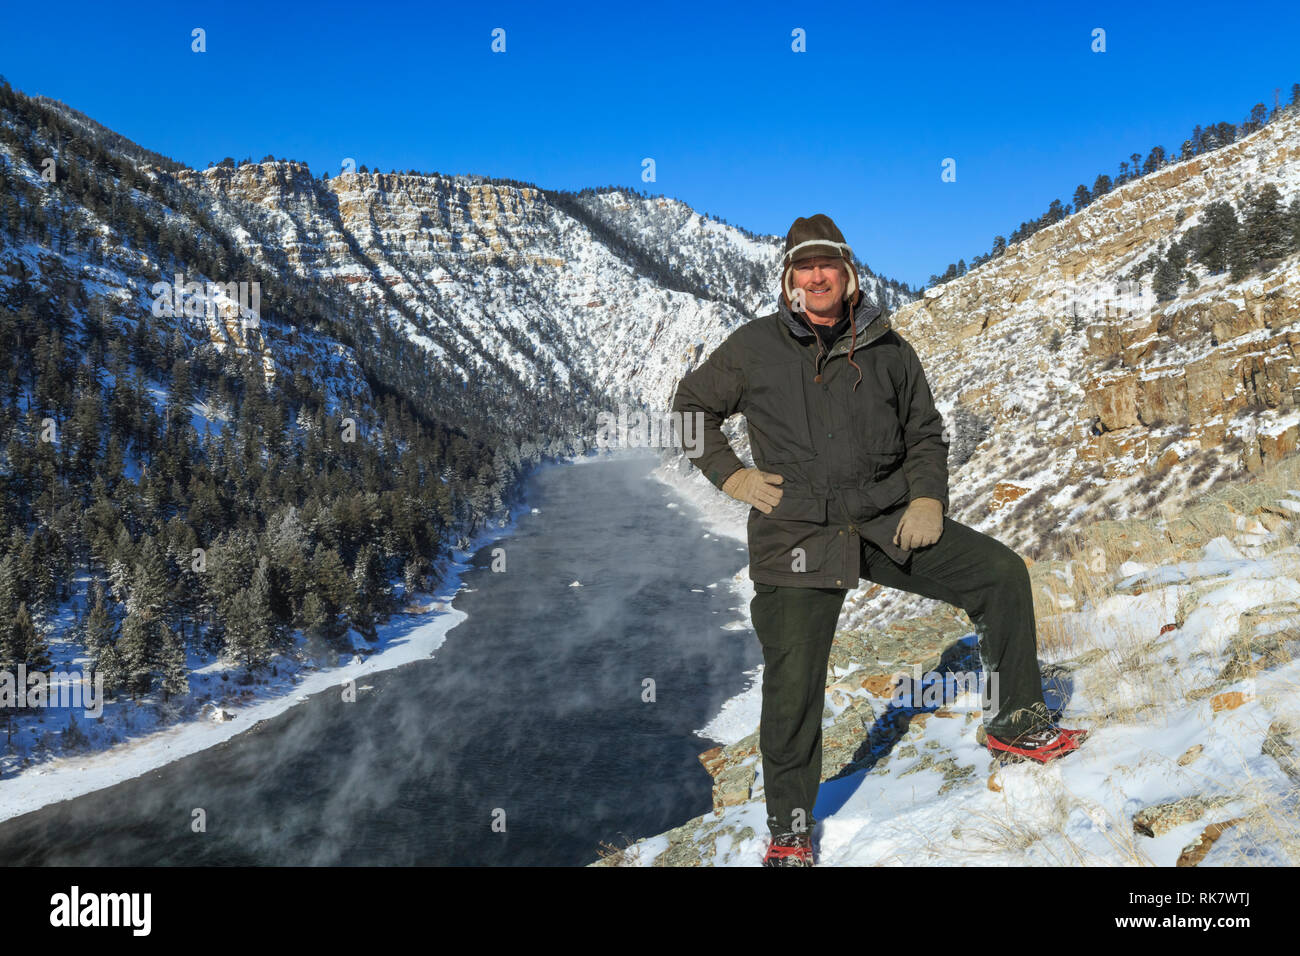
(965,568)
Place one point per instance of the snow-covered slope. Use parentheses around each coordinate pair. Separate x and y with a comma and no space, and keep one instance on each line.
(1176,650)
(608,288)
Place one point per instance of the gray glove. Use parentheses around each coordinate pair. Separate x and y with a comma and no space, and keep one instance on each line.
(754,487)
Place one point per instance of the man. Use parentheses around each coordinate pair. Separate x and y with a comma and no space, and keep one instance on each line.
(851,482)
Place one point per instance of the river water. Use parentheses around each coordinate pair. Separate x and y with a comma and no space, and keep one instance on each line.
(526,739)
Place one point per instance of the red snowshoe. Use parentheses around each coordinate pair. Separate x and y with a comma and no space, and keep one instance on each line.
(790,849)
(1041,745)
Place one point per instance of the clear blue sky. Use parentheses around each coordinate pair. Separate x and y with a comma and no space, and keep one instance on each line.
(739,125)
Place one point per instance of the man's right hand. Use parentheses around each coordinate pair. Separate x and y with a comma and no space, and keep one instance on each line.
(754,487)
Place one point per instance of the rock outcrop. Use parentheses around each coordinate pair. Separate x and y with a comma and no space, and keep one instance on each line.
(1093,386)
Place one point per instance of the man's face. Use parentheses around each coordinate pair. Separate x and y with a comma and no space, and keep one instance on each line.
(823,280)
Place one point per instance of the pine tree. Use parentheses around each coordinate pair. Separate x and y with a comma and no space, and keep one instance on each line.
(179,395)
(1258,115)
(410,579)
(187,592)
(136,652)
(84,427)
(175,671)
(330,584)
(270,633)
(1177,254)
(98,628)
(314,619)
(10,592)
(1267,232)
(230,564)
(1166,279)
(290,571)
(108,664)
(367,583)
(151,587)
(1214,236)
(250,628)
(21,643)
(1239,257)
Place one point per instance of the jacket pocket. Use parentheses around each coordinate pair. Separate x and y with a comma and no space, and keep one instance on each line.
(792,539)
(777,412)
(888,491)
(872,466)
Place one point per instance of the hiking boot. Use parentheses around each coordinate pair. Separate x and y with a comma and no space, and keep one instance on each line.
(1041,745)
(790,849)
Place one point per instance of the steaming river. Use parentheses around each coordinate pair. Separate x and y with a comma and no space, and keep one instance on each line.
(530,713)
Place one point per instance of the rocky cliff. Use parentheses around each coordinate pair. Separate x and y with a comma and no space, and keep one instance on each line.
(1093,398)
(613,290)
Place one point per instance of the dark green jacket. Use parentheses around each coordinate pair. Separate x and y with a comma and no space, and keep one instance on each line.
(851,459)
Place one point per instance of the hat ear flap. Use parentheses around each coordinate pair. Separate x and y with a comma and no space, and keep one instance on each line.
(851,287)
